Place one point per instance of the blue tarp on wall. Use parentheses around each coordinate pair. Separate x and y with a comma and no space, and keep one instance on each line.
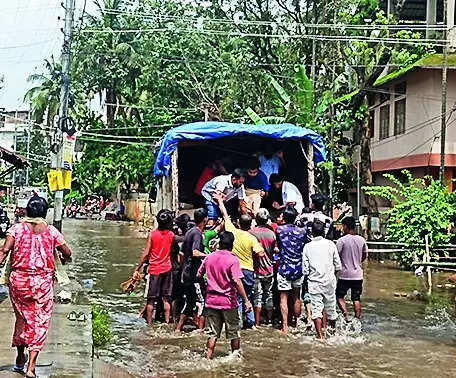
(215,130)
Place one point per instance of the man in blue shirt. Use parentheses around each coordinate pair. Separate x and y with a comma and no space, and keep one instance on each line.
(256,185)
(291,240)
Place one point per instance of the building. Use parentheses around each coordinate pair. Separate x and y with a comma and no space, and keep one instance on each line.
(13,126)
(429,12)
(12,123)
(405,120)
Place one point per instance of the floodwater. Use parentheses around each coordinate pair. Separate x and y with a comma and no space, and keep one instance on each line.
(398,337)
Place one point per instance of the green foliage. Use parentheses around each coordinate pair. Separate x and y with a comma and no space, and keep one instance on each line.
(103,168)
(44,97)
(202,61)
(420,206)
(101,326)
(304,96)
(76,194)
(436,303)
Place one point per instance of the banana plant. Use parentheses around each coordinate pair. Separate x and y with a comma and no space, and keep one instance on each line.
(300,108)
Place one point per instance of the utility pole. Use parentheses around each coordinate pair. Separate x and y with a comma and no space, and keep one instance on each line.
(28,152)
(444,93)
(63,110)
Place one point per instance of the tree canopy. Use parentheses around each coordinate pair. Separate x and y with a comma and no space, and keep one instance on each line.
(149,65)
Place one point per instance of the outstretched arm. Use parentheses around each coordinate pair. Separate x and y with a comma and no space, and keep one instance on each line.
(222,207)
(241,291)
(7,246)
(144,255)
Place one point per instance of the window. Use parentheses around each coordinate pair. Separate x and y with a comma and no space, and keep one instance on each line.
(384,95)
(400,89)
(399,117)
(384,121)
(371,123)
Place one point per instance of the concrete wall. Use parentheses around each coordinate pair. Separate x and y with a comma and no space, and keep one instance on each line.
(417,146)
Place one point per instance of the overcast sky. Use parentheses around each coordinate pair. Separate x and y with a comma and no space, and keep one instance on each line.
(29,33)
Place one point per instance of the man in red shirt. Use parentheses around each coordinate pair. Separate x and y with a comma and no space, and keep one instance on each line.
(224,274)
(157,253)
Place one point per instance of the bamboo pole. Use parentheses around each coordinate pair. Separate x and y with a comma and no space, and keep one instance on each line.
(435,264)
(428,260)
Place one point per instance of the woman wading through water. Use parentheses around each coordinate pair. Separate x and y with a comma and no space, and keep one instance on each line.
(31,282)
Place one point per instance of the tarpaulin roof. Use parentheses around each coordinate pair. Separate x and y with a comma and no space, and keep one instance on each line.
(214,130)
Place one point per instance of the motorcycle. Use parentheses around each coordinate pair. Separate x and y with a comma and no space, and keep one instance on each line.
(92,207)
(72,209)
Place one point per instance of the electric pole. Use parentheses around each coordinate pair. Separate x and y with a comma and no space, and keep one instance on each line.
(27,173)
(444,93)
(63,110)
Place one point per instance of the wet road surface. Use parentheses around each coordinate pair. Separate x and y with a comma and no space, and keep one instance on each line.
(399,337)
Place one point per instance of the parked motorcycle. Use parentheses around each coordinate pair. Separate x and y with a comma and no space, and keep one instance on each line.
(92,206)
(72,209)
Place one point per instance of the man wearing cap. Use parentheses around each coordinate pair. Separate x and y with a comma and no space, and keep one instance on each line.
(263,266)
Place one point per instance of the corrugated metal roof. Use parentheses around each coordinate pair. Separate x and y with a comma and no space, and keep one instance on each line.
(15,159)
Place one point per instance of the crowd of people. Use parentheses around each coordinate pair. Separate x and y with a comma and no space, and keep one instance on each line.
(247,260)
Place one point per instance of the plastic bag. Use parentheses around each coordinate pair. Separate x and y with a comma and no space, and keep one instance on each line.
(130,285)
(6,271)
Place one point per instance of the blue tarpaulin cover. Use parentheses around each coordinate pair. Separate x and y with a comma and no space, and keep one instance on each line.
(215,130)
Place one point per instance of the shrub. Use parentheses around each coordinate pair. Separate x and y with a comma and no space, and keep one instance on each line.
(101,326)
(421,206)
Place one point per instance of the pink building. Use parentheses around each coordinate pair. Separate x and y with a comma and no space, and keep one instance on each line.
(404,116)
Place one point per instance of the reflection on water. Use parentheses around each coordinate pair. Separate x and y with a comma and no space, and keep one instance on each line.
(398,336)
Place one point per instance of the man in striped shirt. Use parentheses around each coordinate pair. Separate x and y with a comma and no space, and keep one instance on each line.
(262,265)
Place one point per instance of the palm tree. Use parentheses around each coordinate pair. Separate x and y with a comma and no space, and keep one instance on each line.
(44,97)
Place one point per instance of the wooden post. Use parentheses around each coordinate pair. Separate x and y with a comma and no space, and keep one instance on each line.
(174,182)
(427,258)
(310,169)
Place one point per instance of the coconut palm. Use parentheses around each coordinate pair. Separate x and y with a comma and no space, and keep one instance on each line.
(44,97)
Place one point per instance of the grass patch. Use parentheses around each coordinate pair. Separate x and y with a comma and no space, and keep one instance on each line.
(101,326)
(436,302)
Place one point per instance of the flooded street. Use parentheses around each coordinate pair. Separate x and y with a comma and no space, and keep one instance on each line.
(399,337)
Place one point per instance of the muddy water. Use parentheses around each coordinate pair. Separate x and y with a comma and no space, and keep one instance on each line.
(399,337)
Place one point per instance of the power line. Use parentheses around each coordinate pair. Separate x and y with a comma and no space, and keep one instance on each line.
(120,136)
(159,17)
(133,127)
(42,126)
(115,141)
(410,130)
(151,107)
(317,37)
(417,147)
(25,45)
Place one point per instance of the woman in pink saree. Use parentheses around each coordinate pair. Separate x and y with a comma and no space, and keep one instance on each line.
(31,282)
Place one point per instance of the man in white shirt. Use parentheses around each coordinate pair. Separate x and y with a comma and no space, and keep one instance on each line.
(320,263)
(290,193)
(228,187)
